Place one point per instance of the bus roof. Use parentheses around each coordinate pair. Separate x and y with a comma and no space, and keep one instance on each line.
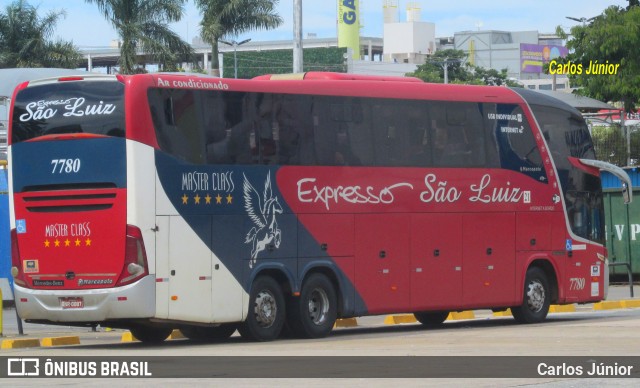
(323,75)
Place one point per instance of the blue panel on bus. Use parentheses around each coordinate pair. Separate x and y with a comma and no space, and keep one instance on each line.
(77,161)
(251,223)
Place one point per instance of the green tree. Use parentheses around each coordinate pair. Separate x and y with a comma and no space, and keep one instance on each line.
(458,71)
(433,68)
(614,36)
(25,39)
(143,25)
(222,18)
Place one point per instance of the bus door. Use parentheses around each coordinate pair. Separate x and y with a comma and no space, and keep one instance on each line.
(184,268)
(436,261)
(382,261)
(489,259)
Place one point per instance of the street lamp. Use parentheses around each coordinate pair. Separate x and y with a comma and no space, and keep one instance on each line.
(235,58)
(445,66)
(582,20)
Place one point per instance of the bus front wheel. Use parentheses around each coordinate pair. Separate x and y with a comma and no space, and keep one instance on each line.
(150,334)
(537,298)
(266,311)
(314,313)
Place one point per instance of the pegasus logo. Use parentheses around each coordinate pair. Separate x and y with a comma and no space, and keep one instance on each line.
(262,211)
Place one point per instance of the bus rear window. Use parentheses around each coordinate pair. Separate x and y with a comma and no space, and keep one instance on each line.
(91,107)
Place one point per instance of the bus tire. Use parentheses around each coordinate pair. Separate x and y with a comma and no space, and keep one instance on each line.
(150,334)
(209,334)
(313,314)
(536,300)
(431,318)
(266,315)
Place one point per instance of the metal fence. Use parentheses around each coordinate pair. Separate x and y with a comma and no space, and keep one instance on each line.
(617,146)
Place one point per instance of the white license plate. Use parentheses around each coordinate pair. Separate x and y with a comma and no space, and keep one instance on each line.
(72,303)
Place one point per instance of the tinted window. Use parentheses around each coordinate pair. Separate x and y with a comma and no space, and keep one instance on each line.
(515,140)
(567,135)
(95,107)
(262,128)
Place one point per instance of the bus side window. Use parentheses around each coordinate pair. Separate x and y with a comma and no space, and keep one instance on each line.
(417,132)
(324,133)
(360,137)
(384,133)
(292,120)
(242,147)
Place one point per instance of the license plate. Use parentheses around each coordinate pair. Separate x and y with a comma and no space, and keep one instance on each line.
(72,303)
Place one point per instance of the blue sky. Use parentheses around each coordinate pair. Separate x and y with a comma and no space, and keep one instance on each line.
(87,28)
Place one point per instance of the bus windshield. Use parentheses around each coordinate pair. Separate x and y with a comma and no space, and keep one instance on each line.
(567,134)
(95,107)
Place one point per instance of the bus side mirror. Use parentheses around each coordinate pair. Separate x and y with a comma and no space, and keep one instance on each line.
(627,188)
(626,196)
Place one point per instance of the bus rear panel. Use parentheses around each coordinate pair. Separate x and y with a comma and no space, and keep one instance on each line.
(74,256)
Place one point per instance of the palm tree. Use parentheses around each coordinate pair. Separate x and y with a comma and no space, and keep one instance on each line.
(24,39)
(143,25)
(232,17)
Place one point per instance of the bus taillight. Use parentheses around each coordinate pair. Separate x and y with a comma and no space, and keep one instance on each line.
(15,259)
(135,257)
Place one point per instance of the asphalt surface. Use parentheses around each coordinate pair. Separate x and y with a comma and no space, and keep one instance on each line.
(10,328)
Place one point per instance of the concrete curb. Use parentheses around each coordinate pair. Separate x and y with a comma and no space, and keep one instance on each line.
(410,318)
(19,343)
(346,322)
(60,341)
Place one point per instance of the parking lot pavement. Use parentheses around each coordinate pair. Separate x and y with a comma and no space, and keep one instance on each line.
(10,329)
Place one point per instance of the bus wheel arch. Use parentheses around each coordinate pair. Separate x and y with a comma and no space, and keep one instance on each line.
(537,295)
(313,313)
(551,273)
(267,311)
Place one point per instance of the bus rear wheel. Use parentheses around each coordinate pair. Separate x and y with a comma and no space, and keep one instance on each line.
(313,314)
(209,334)
(150,334)
(431,318)
(266,311)
(537,298)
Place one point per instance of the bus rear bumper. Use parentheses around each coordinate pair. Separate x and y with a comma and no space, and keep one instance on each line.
(135,300)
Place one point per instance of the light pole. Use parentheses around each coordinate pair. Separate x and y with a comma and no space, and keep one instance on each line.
(235,58)
(445,66)
(583,20)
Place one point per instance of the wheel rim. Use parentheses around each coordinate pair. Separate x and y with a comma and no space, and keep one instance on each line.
(535,296)
(266,308)
(318,306)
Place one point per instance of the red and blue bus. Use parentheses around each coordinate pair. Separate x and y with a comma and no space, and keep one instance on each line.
(154,202)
